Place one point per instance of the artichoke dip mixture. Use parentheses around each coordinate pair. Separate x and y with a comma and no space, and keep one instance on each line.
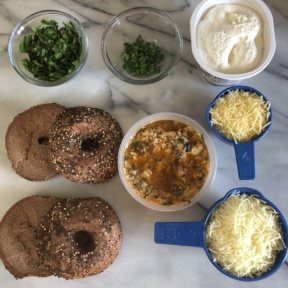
(167,162)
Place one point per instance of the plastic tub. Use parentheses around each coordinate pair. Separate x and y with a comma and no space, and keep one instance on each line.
(218,78)
(178,118)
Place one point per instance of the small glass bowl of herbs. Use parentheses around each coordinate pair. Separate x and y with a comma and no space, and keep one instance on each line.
(48,48)
(141,45)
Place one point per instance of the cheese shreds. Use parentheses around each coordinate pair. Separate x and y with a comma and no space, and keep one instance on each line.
(244,235)
(240,115)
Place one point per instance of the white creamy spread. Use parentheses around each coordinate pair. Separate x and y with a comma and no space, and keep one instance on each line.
(229,38)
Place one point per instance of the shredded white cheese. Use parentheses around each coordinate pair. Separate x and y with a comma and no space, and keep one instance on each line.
(240,115)
(244,235)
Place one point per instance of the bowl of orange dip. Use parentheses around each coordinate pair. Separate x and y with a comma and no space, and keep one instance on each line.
(167,161)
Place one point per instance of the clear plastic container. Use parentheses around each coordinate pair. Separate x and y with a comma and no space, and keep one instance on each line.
(179,118)
(223,79)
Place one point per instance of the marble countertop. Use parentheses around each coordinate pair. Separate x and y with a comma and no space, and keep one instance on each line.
(141,262)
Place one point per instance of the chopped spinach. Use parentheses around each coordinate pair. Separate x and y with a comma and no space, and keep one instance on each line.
(53,53)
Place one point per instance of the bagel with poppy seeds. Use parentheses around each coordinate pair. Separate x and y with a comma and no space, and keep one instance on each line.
(79,237)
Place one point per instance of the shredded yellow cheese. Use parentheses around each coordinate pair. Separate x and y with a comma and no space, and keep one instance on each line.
(244,235)
(240,115)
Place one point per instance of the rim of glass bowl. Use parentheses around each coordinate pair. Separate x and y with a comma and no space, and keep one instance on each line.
(176,117)
(114,21)
(20,27)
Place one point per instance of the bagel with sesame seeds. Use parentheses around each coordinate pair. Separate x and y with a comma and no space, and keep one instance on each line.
(80,237)
(84,144)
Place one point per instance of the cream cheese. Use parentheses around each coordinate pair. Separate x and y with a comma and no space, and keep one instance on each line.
(230,38)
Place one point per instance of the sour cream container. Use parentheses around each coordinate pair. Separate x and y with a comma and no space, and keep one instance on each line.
(223,79)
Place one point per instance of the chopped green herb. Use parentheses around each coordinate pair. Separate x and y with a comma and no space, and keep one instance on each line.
(135,144)
(177,190)
(53,53)
(141,58)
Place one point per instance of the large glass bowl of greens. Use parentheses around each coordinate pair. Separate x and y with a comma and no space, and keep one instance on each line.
(141,45)
(48,48)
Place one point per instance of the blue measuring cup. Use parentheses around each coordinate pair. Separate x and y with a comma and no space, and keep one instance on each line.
(193,234)
(244,151)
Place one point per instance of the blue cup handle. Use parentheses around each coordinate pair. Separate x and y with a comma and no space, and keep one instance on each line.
(245,157)
(180,233)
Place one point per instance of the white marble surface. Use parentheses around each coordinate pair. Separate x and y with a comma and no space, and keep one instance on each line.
(141,263)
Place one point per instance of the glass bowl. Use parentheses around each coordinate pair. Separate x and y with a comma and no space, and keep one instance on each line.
(25,27)
(205,141)
(153,26)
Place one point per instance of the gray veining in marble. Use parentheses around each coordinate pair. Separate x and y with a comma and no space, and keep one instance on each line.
(142,263)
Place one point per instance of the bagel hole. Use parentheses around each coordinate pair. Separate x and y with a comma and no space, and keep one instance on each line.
(89,144)
(43,140)
(84,241)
